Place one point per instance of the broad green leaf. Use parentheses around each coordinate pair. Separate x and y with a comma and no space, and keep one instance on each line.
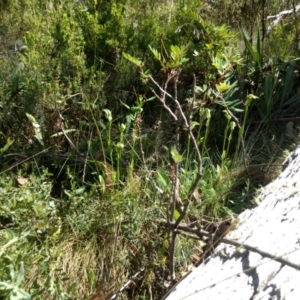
(175,155)
(79,191)
(209,46)
(176,214)
(163,178)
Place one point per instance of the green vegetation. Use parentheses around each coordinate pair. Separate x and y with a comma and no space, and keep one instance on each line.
(120,121)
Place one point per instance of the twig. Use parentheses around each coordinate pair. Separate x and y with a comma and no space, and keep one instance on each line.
(162,100)
(126,284)
(175,188)
(200,233)
(199,173)
(194,99)
(174,177)
(186,124)
(69,140)
(21,162)
(86,159)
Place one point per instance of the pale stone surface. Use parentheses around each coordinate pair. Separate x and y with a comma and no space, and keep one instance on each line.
(274,227)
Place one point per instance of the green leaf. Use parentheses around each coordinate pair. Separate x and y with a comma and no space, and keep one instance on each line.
(37,128)
(258,49)
(20,275)
(124,104)
(163,178)
(138,63)
(255,55)
(61,133)
(194,124)
(222,87)
(156,54)
(176,214)
(12,241)
(178,55)
(11,272)
(91,276)
(6,146)
(209,46)
(79,191)
(175,155)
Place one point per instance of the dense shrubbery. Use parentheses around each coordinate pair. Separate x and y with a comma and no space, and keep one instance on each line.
(99,104)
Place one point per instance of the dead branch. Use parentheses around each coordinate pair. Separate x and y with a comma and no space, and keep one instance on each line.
(174,175)
(130,281)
